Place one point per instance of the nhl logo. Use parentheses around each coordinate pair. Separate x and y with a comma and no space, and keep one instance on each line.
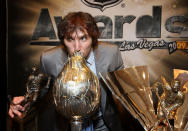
(101,4)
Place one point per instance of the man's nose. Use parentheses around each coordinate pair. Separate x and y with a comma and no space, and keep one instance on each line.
(77,45)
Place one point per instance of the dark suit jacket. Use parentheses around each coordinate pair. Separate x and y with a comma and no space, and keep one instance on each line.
(107,59)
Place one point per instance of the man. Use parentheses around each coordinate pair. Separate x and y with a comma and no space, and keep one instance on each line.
(78,32)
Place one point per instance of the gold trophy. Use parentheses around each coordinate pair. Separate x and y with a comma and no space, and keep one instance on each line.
(130,86)
(76,91)
(169,102)
(35,83)
(181,118)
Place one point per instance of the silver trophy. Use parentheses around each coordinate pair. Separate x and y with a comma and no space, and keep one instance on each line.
(76,91)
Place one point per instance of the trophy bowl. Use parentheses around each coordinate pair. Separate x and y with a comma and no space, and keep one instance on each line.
(76,91)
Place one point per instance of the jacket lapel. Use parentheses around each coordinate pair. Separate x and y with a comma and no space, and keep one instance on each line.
(62,60)
(98,61)
(97,65)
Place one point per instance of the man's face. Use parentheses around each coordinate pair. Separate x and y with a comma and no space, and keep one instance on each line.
(79,41)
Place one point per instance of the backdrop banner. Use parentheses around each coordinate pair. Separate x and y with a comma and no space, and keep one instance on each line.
(148,32)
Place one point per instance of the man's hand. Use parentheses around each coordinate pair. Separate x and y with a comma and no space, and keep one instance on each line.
(16,108)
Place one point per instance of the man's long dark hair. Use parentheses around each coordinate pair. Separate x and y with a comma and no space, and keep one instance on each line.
(78,20)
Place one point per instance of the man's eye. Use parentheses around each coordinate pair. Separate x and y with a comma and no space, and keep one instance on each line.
(83,38)
(69,39)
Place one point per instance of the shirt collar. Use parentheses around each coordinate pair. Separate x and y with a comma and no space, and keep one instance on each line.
(90,58)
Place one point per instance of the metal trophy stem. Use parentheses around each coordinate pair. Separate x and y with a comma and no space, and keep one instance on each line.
(76,125)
